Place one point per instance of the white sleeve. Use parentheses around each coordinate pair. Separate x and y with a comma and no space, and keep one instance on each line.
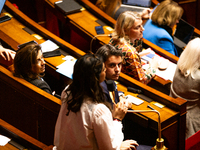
(108,133)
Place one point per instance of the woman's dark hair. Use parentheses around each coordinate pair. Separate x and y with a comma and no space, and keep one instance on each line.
(85,83)
(25,58)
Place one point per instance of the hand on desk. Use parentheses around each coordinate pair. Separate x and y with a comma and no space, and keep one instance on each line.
(6,56)
(128,145)
(126,102)
(119,110)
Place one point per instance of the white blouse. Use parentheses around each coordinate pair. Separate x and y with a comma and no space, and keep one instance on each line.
(91,128)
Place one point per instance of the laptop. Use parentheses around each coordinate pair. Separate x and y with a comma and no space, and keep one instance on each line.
(183,33)
(136,5)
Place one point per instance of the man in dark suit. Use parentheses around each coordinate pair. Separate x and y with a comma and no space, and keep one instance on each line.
(113,62)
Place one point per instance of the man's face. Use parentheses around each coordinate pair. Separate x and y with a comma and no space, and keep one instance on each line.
(113,67)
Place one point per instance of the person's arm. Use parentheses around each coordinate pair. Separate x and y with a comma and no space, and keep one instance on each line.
(146,13)
(6,54)
(108,133)
(42,85)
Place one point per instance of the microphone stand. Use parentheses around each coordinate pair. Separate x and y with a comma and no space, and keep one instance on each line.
(159,141)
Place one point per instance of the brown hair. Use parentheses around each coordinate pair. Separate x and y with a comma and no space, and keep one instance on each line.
(25,58)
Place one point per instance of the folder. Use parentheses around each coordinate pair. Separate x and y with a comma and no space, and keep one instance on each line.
(68,6)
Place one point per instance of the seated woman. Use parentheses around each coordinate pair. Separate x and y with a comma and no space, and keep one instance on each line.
(127,37)
(186,84)
(158,29)
(29,64)
(113,8)
(85,120)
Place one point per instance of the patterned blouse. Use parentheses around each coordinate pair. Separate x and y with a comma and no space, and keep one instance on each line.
(131,64)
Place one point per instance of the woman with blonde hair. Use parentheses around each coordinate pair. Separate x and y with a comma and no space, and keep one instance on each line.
(158,29)
(127,37)
(186,84)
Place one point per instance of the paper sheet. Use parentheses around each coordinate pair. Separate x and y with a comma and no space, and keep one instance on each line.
(48,46)
(3,140)
(67,67)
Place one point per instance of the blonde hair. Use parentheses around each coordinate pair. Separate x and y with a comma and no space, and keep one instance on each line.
(124,23)
(167,13)
(109,6)
(189,60)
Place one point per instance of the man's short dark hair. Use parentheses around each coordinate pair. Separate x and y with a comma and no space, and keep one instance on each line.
(108,50)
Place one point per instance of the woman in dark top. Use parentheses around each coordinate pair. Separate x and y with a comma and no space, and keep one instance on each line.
(29,64)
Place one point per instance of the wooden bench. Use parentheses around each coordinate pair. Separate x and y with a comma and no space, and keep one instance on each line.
(172,116)
(19,139)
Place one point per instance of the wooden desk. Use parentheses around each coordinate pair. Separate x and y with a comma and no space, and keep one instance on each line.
(173,115)
(84,22)
(20,138)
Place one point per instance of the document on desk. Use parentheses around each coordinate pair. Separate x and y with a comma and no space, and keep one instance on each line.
(48,46)
(167,73)
(67,67)
(4,140)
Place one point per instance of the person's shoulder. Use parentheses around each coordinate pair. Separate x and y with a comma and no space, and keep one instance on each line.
(39,83)
(100,109)
(36,81)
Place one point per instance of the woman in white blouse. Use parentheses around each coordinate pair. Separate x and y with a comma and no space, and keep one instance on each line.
(85,120)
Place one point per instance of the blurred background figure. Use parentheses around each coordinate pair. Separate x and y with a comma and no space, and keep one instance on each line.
(113,8)
(158,29)
(186,84)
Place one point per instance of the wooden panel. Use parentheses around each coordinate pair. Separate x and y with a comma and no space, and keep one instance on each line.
(172,114)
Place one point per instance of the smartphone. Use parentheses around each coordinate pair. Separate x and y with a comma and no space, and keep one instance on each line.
(24,44)
(4,18)
(99,30)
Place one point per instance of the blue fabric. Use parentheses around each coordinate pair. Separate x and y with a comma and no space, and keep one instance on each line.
(159,36)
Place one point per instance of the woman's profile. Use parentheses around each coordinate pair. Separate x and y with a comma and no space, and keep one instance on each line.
(29,64)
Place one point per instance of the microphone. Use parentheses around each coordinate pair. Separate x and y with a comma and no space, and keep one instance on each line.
(159,141)
(133,90)
(111,89)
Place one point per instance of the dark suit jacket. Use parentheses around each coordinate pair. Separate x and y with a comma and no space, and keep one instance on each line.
(106,93)
(42,85)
